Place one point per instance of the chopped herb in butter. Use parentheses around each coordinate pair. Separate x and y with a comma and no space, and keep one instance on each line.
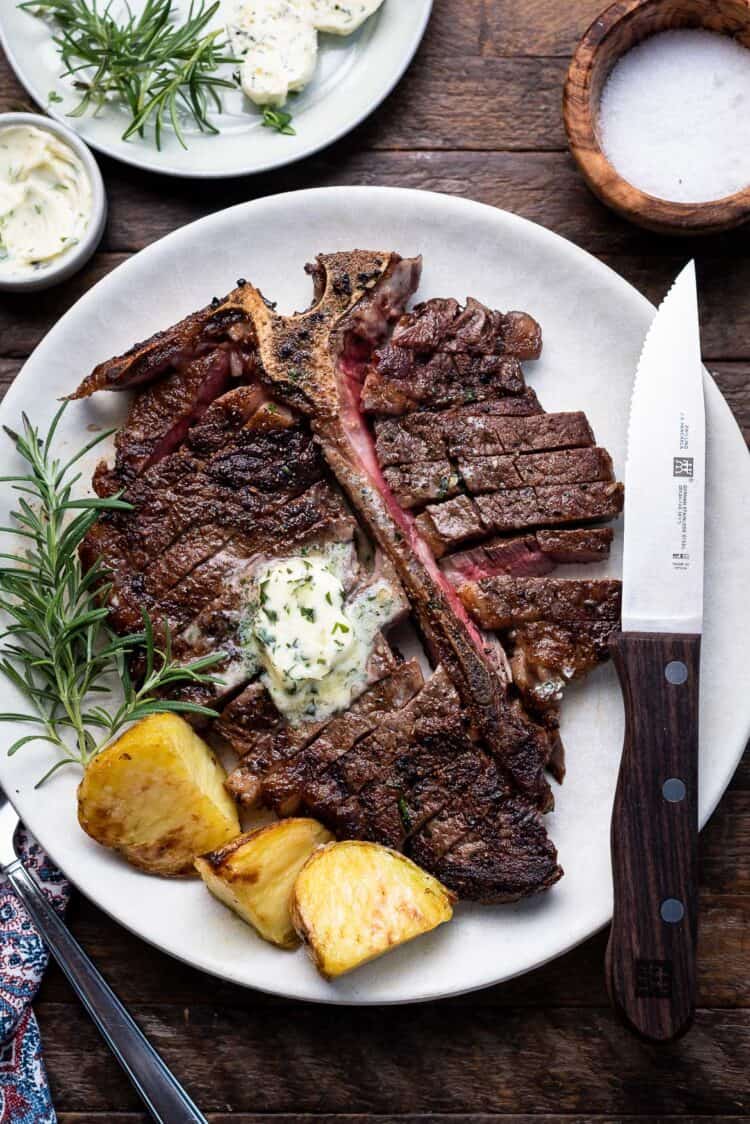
(312,643)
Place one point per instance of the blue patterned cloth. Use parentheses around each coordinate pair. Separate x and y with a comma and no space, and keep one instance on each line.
(24,1090)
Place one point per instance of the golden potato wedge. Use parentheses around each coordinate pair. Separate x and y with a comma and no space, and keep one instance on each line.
(255,873)
(157,796)
(354,901)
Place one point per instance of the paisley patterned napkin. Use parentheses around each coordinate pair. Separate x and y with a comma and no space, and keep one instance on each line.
(24,1091)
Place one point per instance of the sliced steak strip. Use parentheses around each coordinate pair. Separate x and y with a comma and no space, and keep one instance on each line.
(579,544)
(486,435)
(451,523)
(500,603)
(400,383)
(416,484)
(556,503)
(283,787)
(506,856)
(422,436)
(566,466)
(543,651)
(532,555)
(442,355)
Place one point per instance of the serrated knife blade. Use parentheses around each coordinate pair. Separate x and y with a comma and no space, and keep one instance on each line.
(651,955)
(665,473)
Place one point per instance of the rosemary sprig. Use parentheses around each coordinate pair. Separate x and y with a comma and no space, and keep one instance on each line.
(157,68)
(59,650)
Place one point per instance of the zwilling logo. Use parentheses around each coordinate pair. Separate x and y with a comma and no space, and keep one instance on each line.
(653,979)
(683,466)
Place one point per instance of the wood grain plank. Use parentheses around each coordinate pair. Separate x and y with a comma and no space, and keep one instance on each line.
(541,186)
(419,1118)
(417,1059)
(536,27)
(725,847)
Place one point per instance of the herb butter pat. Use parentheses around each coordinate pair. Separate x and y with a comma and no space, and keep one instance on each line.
(46,199)
(312,644)
(278,40)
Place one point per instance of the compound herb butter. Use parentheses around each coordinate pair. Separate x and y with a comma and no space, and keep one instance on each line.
(278,40)
(46,199)
(311,642)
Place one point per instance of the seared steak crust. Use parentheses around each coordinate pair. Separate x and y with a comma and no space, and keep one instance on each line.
(499,603)
(444,355)
(454,522)
(424,436)
(416,484)
(532,555)
(450,771)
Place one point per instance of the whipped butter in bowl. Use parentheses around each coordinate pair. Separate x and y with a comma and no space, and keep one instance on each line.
(52,203)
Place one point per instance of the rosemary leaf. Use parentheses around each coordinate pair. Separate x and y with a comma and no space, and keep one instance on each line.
(58,648)
(157,68)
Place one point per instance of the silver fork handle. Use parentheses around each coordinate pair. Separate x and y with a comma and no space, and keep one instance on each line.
(161,1093)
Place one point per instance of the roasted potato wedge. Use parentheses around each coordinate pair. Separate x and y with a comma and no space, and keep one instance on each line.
(354,901)
(157,796)
(255,873)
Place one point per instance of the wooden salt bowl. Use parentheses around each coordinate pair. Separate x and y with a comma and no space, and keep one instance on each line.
(619,28)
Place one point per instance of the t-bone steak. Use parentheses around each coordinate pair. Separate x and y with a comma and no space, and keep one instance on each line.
(248,439)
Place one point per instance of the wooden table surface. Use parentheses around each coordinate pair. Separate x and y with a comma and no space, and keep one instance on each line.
(477,115)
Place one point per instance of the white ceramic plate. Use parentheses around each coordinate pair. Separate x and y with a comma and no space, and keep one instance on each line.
(354,75)
(594,324)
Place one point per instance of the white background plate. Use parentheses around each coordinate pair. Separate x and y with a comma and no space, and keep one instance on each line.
(354,75)
(594,325)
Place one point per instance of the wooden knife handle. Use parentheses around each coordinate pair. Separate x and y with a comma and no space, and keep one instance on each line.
(651,956)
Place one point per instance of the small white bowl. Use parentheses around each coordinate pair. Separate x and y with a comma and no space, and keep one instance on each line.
(75,258)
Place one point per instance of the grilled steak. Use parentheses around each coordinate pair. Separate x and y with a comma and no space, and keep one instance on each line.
(499,603)
(416,484)
(245,427)
(450,524)
(315,363)
(424,436)
(526,469)
(445,355)
(528,556)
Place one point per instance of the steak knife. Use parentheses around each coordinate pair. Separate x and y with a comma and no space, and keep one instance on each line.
(651,956)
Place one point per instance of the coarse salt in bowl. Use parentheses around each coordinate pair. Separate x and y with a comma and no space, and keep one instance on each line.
(657,135)
(674,116)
